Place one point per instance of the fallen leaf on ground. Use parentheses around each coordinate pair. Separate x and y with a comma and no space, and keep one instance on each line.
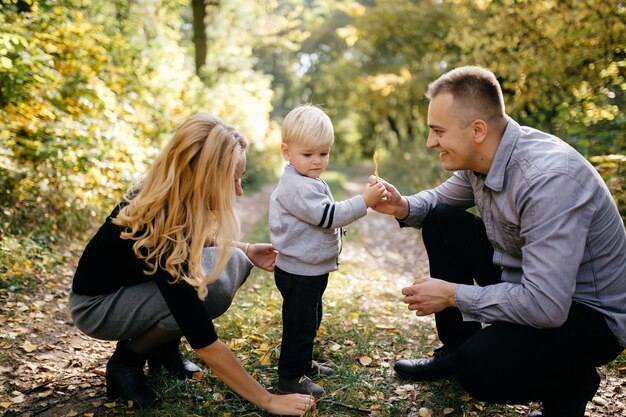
(28,347)
(365,360)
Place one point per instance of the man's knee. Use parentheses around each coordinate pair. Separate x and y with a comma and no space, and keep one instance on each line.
(485,374)
(444,220)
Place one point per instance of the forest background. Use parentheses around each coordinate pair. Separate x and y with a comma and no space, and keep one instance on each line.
(91,90)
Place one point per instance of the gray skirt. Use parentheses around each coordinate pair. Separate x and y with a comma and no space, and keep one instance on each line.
(132,311)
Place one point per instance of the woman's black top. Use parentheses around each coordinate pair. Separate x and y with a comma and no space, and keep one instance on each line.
(109,263)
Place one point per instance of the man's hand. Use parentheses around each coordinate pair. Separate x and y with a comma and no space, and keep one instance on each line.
(263,255)
(392,202)
(429,295)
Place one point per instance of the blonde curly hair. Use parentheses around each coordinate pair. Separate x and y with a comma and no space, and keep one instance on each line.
(185,202)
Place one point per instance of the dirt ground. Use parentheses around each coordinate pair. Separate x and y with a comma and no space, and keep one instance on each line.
(49,369)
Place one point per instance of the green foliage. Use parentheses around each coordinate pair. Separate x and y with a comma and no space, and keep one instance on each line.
(612,168)
(89,92)
(562,64)
(19,261)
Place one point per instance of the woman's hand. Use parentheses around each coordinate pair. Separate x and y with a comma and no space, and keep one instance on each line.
(263,255)
(289,404)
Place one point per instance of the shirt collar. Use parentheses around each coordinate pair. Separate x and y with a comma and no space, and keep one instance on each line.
(495,176)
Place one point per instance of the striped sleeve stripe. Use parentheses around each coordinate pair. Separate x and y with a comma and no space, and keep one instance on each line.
(324,215)
(330,217)
(330,214)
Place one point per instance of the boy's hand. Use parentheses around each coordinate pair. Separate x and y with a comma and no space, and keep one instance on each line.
(392,202)
(373,193)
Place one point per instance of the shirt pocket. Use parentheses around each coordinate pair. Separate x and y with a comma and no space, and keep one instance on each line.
(512,242)
(328,244)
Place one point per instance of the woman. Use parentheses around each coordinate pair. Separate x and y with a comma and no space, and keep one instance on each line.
(166,262)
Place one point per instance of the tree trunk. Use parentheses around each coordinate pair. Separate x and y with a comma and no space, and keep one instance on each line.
(199,33)
(23,6)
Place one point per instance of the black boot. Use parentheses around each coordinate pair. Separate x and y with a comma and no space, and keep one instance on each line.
(169,357)
(125,378)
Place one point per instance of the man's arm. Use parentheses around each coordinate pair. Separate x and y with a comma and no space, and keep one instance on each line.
(411,210)
(555,214)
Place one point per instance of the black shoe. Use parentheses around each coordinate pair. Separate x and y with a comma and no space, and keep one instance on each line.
(125,378)
(317,369)
(299,385)
(170,358)
(440,366)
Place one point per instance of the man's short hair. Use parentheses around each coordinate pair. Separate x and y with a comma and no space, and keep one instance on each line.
(307,125)
(476,92)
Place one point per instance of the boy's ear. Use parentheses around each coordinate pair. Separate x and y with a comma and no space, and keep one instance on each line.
(285,150)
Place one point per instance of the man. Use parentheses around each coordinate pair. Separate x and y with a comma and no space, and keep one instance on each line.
(548,255)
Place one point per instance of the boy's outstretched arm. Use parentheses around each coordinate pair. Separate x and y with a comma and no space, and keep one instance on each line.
(393,202)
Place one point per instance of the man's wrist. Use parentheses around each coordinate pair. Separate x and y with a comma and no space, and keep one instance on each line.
(452,295)
(403,211)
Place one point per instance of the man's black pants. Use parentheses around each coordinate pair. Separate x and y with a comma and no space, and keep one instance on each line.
(302,315)
(505,362)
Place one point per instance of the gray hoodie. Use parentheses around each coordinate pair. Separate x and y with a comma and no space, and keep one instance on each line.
(305,223)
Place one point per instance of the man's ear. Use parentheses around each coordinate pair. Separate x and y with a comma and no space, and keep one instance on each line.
(285,150)
(480,128)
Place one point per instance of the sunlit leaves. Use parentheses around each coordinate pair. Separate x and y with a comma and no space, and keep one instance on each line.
(558,61)
(88,95)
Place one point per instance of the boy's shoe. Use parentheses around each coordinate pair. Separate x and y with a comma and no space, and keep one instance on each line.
(299,385)
(317,369)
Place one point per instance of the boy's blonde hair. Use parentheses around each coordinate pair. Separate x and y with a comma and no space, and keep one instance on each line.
(307,125)
(185,202)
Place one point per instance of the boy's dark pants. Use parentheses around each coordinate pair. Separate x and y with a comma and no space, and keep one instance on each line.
(302,315)
(505,362)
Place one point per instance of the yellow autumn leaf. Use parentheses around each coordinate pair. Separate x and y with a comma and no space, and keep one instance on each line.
(424,412)
(5,404)
(28,346)
(197,376)
(365,360)
(265,360)
(236,344)
(376,165)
